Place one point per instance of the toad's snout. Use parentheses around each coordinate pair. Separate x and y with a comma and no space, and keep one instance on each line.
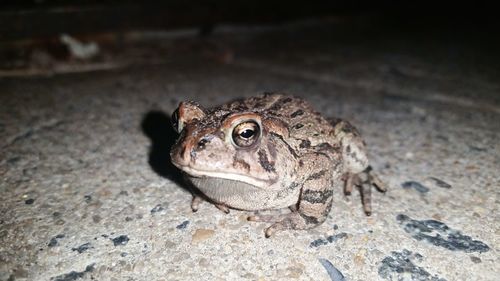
(180,154)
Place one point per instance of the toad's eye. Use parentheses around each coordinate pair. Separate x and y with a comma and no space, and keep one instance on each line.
(176,123)
(246,133)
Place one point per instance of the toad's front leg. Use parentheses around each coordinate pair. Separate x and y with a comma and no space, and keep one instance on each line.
(315,199)
(197,199)
(364,181)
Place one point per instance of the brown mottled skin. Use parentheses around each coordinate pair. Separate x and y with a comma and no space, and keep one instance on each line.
(268,152)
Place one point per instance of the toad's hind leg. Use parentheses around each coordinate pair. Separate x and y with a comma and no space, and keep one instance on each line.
(357,170)
(315,199)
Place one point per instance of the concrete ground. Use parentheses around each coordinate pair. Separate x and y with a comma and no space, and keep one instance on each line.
(87,191)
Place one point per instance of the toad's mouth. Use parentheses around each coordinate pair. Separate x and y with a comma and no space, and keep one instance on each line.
(260,183)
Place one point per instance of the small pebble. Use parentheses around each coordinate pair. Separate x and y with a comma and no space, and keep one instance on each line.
(120,240)
(96,218)
(157,208)
(74,275)
(475,259)
(333,272)
(82,248)
(441,183)
(327,240)
(29,201)
(53,241)
(294,272)
(359,260)
(183,225)
(202,234)
(415,185)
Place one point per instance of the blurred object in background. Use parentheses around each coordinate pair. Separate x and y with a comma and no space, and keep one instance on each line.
(42,37)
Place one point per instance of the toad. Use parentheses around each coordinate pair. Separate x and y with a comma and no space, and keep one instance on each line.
(268,152)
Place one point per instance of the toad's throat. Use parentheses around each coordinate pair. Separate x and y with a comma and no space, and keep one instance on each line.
(235,178)
(235,194)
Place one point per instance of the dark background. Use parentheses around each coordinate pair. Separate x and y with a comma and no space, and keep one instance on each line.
(44,18)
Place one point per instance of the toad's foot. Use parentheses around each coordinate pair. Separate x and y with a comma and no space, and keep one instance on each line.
(197,199)
(292,220)
(195,203)
(304,217)
(364,181)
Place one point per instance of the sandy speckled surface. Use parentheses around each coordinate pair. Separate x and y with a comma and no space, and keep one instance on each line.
(87,192)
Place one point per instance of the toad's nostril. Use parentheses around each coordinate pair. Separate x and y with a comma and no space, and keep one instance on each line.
(201,144)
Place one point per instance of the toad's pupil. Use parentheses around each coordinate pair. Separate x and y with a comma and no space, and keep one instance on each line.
(247,133)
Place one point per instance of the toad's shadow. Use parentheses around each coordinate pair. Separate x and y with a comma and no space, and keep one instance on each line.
(157,126)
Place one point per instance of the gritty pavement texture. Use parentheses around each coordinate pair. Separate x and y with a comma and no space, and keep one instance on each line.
(87,191)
